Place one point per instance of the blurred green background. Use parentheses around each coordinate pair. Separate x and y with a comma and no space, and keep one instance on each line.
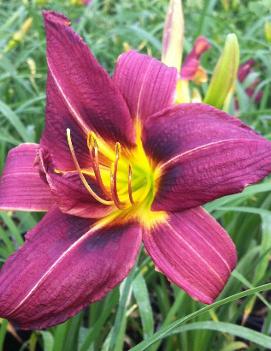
(146,302)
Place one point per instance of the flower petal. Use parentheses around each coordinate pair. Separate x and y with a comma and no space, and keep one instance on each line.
(245,69)
(184,127)
(54,138)
(193,251)
(147,85)
(21,187)
(65,264)
(203,153)
(85,88)
(69,192)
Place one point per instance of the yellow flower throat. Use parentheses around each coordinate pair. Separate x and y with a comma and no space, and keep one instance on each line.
(127,179)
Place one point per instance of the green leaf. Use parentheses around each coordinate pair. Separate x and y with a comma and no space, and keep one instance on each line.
(12,227)
(48,340)
(60,333)
(91,334)
(164,332)
(265,244)
(116,338)
(142,298)
(3,330)
(233,329)
(248,192)
(247,284)
(15,121)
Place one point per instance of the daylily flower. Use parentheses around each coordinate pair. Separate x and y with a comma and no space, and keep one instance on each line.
(191,68)
(172,50)
(244,71)
(222,84)
(119,162)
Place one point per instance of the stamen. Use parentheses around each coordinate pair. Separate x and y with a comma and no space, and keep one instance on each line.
(130,190)
(81,175)
(94,153)
(113,179)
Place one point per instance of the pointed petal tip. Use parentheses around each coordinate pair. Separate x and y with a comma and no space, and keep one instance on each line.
(50,278)
(201,45)
(196,253)
(80,87)
(218,144)
(55,17)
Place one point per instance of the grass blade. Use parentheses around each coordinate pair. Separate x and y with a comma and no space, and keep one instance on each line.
(164,332)
(142,298)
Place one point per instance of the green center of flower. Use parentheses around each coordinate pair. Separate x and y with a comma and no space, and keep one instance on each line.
(126,178)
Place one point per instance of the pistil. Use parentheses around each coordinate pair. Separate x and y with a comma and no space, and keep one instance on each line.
(113,179)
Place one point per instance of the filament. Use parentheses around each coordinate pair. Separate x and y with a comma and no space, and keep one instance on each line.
(113,179)
(81,175)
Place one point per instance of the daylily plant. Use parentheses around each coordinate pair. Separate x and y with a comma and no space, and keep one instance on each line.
(222,84)
(120,162)
(172,51)
(191,68)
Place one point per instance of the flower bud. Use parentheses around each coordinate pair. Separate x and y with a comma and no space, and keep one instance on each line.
(224,76)
(173,35)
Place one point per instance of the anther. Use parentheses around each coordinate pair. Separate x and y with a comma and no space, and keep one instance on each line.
(81,175)
(130,189)
(113,179)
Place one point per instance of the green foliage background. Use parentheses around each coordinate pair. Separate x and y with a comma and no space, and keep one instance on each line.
(145,306)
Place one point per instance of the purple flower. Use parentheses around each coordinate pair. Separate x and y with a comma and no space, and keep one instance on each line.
(119,162)
(244,70)
(191,69)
